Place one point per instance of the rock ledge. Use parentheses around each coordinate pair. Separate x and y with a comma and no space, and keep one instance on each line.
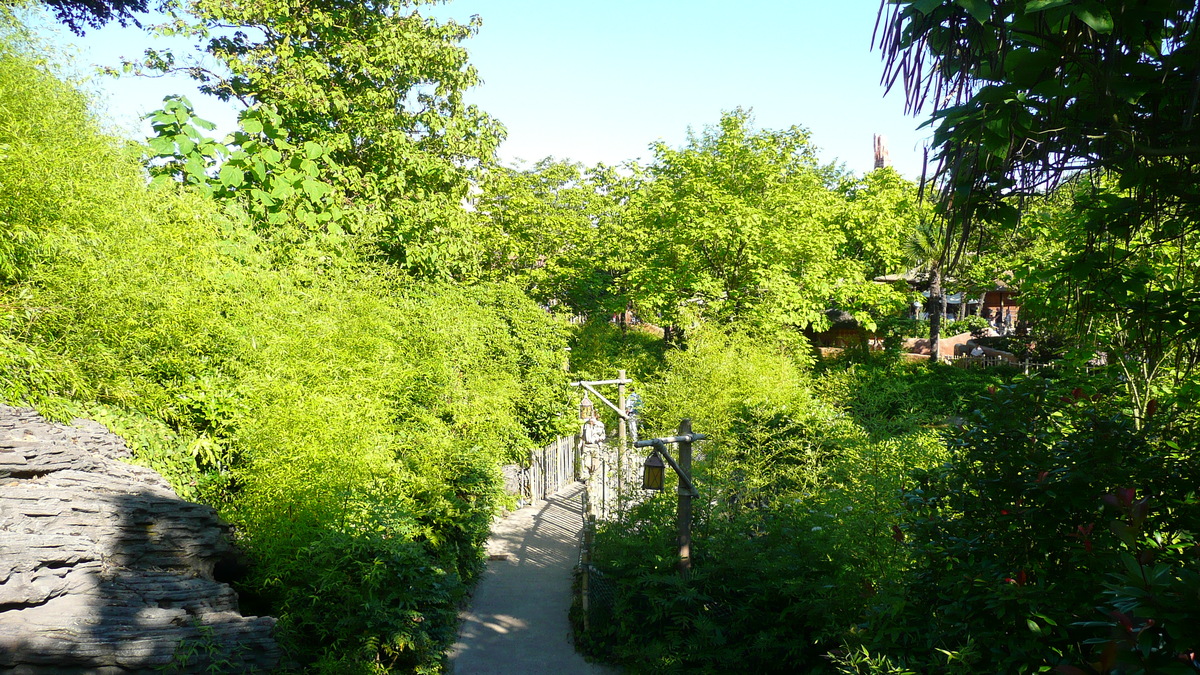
(104,569)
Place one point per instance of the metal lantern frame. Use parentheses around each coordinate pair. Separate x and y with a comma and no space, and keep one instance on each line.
(653,472)
(652,479)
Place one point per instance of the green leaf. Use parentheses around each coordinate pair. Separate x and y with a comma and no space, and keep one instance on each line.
(231,176)
(926,6)
(1096,16)
(262,197)
(252,126)
(1043,5)
(162,147)
(282,190)
(194,168)
(313,150)
(315,189)
(160,180)
(186,145)
(980,10)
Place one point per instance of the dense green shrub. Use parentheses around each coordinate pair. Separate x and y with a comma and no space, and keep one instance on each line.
(600,348)
(346,420)
(903,327)
(889,398)
(1048,492)
(794,532)
(975,325)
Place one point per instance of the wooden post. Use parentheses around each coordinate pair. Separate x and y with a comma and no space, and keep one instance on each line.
(589,528)
(685,501)
(623,434)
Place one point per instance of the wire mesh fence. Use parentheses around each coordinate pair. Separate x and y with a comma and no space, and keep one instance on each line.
(597,594)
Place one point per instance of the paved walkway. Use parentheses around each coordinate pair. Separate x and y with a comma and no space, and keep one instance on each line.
(517,622)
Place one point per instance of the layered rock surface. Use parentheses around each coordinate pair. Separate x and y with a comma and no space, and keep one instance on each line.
(103,569)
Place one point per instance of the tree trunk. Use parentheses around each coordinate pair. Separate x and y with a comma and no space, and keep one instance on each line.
(936,307)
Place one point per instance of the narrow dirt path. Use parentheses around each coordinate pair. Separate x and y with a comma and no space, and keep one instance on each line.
(517,622)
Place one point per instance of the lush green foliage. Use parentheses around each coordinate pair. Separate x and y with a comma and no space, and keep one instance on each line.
(1031,94)
(796,529)
(976,325)
(379,88)
(235,322)
(280,185)
(555,228)
(600,348)
(883,212)
(1026,91)
(742,226)
(348,422)
(1049,490)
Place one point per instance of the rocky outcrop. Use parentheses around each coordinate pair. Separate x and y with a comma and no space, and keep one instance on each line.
(103,569)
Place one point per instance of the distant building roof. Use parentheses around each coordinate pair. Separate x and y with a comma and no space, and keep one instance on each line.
(839,316)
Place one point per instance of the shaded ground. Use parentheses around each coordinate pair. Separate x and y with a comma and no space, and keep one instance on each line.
(517,621)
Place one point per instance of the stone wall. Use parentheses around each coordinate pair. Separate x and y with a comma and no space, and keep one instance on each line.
(103,569)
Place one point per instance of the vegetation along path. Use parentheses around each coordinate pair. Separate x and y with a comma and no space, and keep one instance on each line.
(517,621)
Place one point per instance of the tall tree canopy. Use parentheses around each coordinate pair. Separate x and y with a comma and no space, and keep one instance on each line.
(738,222)
(1026,92)
(744,226)
(555,228)
(883,210)
(78,15)
(381,88)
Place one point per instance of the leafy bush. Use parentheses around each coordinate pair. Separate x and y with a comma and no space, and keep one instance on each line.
(902,327)
(793,533)
(1013,538)
(347,421)
(891,398)
(599,349)
(975,325)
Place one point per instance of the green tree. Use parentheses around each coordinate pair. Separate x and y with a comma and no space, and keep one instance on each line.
(882,212)
(556,228)
(1028,93)
(381,88)
(1024,92)
(280,185)
(79,15)
(739,226)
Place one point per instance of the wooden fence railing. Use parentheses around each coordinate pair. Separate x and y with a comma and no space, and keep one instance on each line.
(554,467)
(559,464)
(548,470)
(965,361)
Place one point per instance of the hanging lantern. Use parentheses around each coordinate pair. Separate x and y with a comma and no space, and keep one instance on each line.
(586,409)
(652,473)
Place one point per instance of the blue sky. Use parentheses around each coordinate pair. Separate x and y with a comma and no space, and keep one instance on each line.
(601,81)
